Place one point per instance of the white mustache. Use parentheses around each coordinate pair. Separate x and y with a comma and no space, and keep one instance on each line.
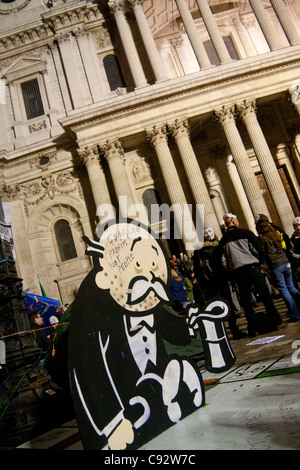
(141,286)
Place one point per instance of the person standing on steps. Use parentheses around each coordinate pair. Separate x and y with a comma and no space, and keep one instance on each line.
(280,267)
(213,278)
(241,253)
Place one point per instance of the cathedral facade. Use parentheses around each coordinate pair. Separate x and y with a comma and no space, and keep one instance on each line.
(128,103)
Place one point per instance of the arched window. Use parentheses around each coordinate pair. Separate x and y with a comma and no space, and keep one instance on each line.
(65,240)
(113,72)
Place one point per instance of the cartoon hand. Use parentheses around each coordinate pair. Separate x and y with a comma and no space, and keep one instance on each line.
(121,436)
(192,315)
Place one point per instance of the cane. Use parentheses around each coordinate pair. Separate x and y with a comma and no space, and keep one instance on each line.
(218,354)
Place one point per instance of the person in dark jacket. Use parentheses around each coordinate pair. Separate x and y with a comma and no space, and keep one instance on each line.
(280,266)
(241,252)
(262,217)
(41,339)
(295,251)
(213,278)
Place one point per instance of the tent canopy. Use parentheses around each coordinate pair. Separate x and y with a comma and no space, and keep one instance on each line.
(44,305)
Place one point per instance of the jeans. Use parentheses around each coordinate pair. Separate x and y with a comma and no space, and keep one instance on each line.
(246,277)
(284,282)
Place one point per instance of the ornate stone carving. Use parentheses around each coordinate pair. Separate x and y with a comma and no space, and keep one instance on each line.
(133,3)
(247,106)
(157,134)
(8,192)
(179,128)
(225,114)
(89,155)
(140,169)
(37,126)
(116,5)
(103,40)
(43,160)
(112,149)
(47,186)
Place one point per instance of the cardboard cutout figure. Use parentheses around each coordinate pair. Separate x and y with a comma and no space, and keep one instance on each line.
(126,389)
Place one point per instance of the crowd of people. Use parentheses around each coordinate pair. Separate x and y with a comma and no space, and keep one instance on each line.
(242,267)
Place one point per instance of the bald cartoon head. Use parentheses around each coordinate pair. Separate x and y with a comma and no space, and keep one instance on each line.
(133,267)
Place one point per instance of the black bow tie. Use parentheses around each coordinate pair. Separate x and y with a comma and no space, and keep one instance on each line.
(133,330)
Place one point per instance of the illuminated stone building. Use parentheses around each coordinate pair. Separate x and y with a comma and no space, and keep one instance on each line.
(179,102)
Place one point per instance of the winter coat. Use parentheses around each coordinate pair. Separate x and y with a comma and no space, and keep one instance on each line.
(177,291)
(275,256)
(295,249)
(240,247)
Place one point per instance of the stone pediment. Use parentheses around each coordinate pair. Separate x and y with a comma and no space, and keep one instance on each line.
(22,67)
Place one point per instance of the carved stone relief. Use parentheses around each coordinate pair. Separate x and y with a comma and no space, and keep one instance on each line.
(140,169)
(47,186)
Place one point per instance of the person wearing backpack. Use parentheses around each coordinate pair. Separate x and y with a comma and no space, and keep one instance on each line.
(280,266)
(241,252)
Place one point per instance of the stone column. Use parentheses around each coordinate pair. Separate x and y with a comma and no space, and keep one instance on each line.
(114,154)
(193,34)
(90,157)
(3,133)
(180,131)
(213,31)
(66,44)
(266,25)
(117,8)
(225,116)
(285,19)
(18,123)
(294,93)
(91,64)
(158,138)
(65,92)
(267,163)
(149,43)
(240,193)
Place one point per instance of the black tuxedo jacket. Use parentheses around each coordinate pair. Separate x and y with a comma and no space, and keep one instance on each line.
(104,373)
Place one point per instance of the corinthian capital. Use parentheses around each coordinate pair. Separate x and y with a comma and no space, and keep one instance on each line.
(116,5)
(225,114)
(112,149)
(246,107)
(180,128)
(89,155)
(134,3)
(157,134)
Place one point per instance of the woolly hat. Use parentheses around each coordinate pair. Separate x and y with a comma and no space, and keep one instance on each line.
(53,320)
(228,218)
(296,221)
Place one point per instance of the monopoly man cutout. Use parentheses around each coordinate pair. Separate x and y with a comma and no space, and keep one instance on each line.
(126,389)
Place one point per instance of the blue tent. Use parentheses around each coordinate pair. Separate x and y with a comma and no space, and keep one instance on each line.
(44,305)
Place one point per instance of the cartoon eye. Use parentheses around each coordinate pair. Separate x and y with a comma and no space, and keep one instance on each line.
(154,265)
(138,266)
